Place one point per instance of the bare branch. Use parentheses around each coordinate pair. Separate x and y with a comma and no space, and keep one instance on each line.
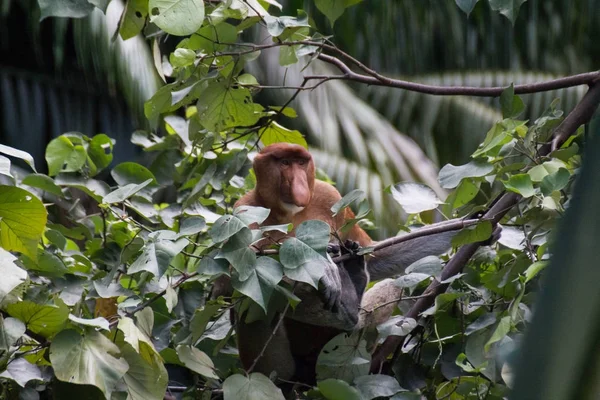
(380,80)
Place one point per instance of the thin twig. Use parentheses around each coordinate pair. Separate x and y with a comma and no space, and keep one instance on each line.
(275,329)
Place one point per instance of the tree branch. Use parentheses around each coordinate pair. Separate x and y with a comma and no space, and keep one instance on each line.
(581,114)
(380,80)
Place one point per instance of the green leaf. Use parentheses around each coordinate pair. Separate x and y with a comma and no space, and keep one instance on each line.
(261,283)
(464,193)
(88,359)
(397,325)
(46,320)
(496,137)
(123,193)
(371,386)
(131,172)
(500,332)
(508,8)
(11,330)
(466,5)
(22,220)
(534,269)
(555,181)
(430,265)
(5,167)
(238,253)
(225,227)
(275,133)
(210,38)
(254,387)
(100,151)
(64,156)
(472,234)
(95,188)
(442,300)
(451,176)
(521,184)
(23,155)
(157,256)
(310,243)
(221,107)
(415,197)
(147,377)
(197,361)
(247,79)
(333,9)
(99,323)
(344,357)
(182,57)
(65,8)
(539,172)
(22,371)
(287,56)
(134,18)
(43,182)
(355,195)
(284,27)
(177,17)
(251,215)
(12,275)
(512,106)
(335,389)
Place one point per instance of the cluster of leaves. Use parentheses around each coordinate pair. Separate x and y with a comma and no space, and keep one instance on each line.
(111,282)
(465,349)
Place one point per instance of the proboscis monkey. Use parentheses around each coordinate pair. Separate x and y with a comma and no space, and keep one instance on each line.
(286,184)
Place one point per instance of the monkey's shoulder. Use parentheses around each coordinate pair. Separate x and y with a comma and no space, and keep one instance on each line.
(325,194)
(249,199)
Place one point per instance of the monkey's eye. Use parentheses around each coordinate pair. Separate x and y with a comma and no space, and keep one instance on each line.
(301,162)
(285,162)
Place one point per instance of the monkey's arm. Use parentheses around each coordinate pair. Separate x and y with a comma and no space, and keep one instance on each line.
(337,303)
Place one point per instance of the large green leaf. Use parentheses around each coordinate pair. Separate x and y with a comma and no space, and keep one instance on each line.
(156,256)
(344,357)
(12,275)
(415,197)
(254,387)
(197,361)
(87,359)
(11,330)
(303,256)
(23,155)
(333,9)
(336,389)
(259,286)
(46,320)
(147,377)
(22,220)
(221,107)
(177,17)
(22,371)
(62,155)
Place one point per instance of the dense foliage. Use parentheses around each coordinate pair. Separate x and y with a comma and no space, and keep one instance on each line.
(104,284)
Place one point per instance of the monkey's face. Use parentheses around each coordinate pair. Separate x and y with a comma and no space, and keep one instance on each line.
(294,190)
(285,177)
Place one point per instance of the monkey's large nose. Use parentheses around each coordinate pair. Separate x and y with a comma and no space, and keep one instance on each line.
(300,191)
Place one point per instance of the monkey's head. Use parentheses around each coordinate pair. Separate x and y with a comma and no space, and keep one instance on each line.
(285,177)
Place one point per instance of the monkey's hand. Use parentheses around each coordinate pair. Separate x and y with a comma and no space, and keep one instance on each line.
(340,285)
(331,282)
